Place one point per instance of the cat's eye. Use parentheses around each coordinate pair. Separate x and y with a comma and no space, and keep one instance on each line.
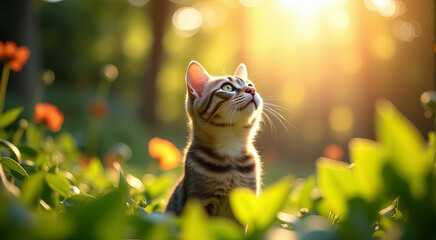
(227,88)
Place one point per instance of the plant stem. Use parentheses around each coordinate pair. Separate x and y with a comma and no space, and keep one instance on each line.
(4,85)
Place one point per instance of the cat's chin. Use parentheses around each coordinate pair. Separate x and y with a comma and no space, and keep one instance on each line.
(246,114)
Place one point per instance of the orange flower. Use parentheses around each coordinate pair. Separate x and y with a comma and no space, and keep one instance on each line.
(165,152)
(334,151)
(50,115)
(17,56)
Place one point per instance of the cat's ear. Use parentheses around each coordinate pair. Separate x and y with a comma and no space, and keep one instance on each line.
(196,79)
(241,71)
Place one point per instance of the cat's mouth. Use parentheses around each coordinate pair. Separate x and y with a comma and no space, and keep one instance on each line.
(252,101)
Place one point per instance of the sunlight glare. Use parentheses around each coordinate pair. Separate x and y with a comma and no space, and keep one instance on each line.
(135,182)
(304,8)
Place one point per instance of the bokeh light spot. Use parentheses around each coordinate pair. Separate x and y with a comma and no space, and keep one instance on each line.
(213,16)
(341,119)
(338,18)
(333,151)
(110,71)
(387,9)
(383,47)
(138,3)
(187,20)
(48,77)
(136,41)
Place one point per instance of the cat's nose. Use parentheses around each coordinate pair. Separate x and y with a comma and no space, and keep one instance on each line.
(251,91)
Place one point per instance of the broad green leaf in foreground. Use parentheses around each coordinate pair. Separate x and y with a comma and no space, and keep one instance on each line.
(404,145)
(32,188)
(244,205)
(102,218)
(259,212)
(300,196)
(337,183)
(59,184)
(10,116)
(194,225)
(271,201)
(368,159)
(12,167)
(223,228)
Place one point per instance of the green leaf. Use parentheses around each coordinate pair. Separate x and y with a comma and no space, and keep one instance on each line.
(15,169)
(337,183)
(102,218)
(10,116)
(194,222)
(223,228)
(271,201)
(15,153)
(33,135)
(368,158)
(300,196)
(159,186)
(404,146)
(67,143)
(432,141)
(77,201)
(28,151)
(244,205)
(58,184)
(32,188)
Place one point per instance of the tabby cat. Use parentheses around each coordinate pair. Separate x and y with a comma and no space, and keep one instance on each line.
(224,114)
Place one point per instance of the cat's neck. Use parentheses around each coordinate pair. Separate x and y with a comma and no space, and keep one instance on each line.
(232,142)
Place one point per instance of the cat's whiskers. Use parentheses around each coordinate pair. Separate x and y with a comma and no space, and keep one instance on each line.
(271,124)
(278,116)
(277,106)
(231,115)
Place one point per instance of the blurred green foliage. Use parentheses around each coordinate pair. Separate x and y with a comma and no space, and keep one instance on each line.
(50,191)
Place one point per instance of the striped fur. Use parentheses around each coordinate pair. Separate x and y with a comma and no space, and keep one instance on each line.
(220,155)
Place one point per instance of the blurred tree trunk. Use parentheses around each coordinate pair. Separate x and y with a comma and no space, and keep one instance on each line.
(160,12)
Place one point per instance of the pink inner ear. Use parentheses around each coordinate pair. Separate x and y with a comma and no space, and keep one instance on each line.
(241,71)
(197,77)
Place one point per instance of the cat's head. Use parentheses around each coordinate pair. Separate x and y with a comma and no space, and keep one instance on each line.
(230,101)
